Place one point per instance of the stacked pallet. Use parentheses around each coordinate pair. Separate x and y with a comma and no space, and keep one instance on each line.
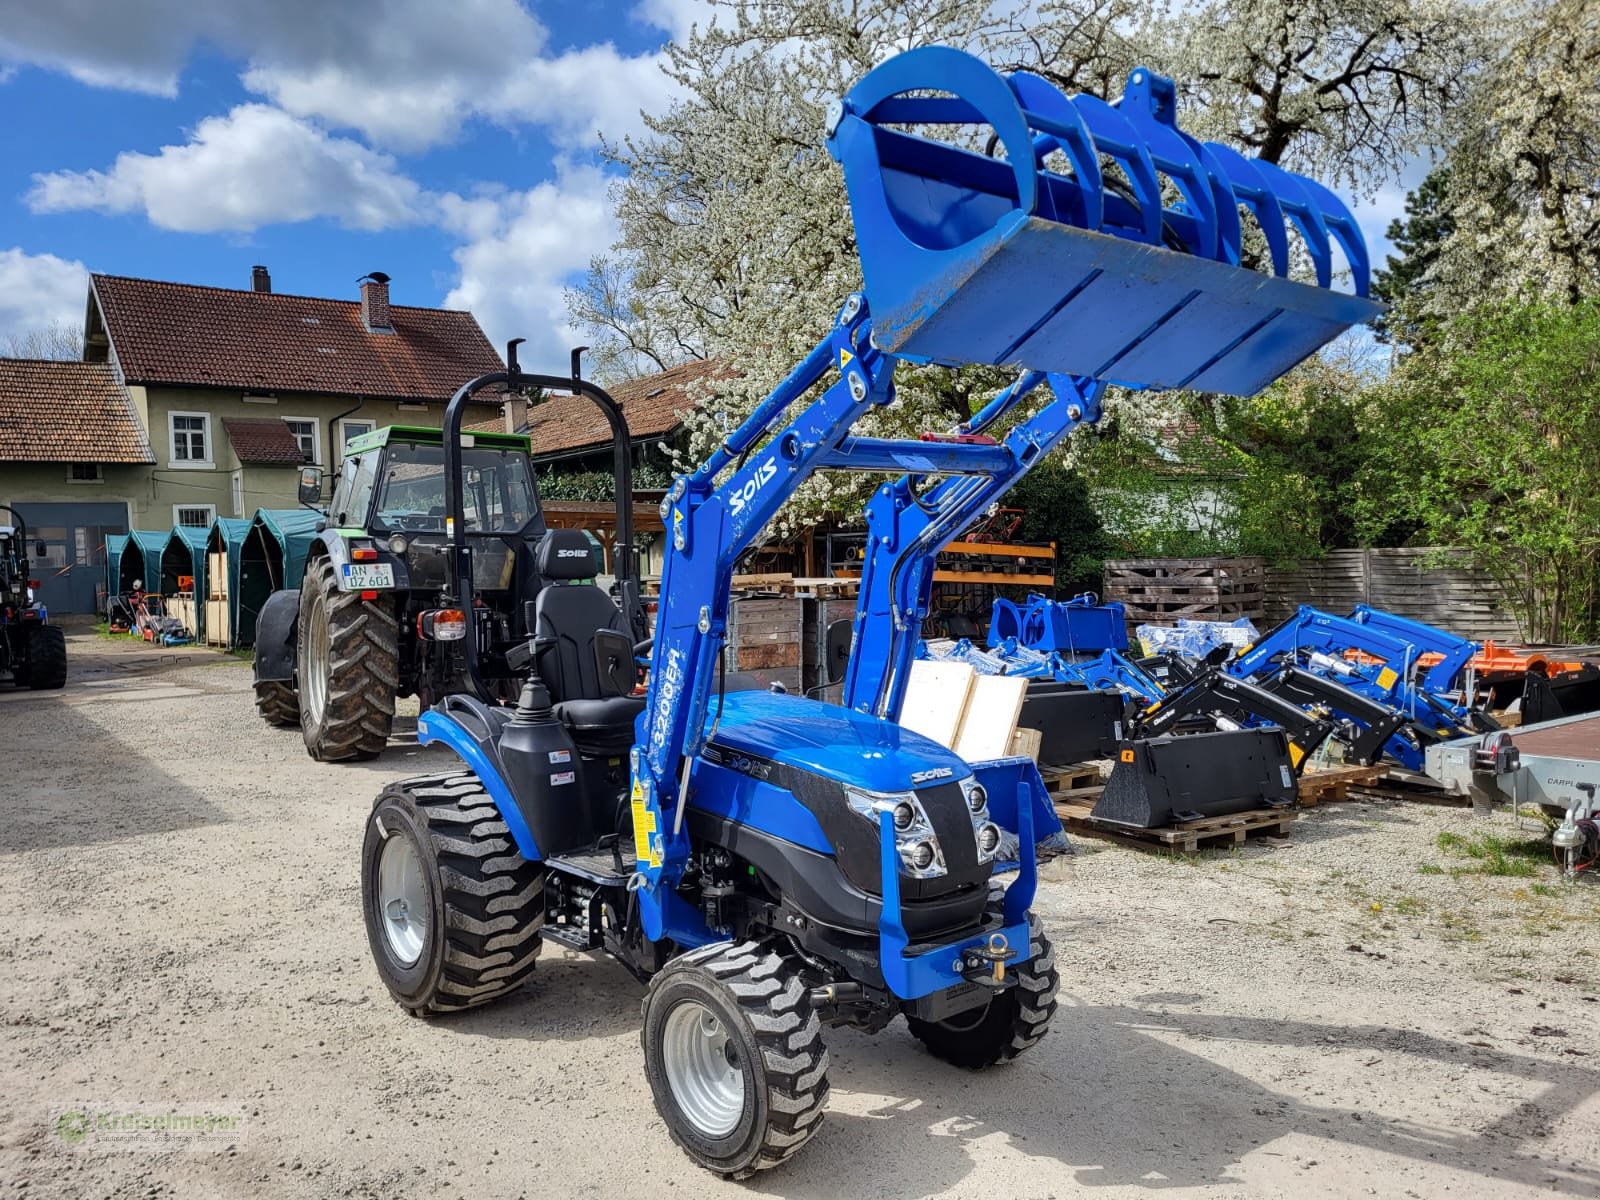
(1157,591)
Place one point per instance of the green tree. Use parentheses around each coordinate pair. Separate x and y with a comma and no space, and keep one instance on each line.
(1403,282)
(1055,508)
(1494,445)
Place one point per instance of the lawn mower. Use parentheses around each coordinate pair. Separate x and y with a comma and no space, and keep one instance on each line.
(772,865)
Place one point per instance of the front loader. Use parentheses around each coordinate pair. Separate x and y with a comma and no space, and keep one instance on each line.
(772,865)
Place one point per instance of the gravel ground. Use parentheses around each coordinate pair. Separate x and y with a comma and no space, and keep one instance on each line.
(180,930)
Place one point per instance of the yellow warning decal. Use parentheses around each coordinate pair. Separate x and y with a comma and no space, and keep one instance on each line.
(845,358)
(1295,755)
(1386,678)
(644,824)
(1127,756)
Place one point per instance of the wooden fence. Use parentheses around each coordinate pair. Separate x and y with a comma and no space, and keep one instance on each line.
(1439,587)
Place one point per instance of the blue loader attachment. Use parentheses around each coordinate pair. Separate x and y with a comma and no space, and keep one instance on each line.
(771,865)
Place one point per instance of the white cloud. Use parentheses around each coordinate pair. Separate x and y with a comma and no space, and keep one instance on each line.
(677,17)
(520,250)
(38,291)
(585,93)
(255,166)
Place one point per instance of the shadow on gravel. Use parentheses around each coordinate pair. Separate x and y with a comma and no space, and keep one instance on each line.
(84,786)
(570,996)
(1116,1104)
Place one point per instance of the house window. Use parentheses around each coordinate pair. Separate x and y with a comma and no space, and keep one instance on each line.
(197,516)
(352,429)
(84,473)
(305,432)
(238,493)
(191,439)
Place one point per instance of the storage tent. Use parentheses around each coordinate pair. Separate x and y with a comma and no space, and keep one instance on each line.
(224,542)
(273,556)
(140,560)
(116,543)
(185,554)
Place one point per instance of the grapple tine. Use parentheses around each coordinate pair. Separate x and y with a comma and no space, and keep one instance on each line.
(972,258)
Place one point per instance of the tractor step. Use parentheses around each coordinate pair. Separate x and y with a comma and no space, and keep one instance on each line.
(599,865)
(573,937)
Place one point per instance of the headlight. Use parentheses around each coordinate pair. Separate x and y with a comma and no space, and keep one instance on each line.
(921,857)
(977,797)
(398,543)
(988,841)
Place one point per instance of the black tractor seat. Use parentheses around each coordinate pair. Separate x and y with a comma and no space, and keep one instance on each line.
(584,651)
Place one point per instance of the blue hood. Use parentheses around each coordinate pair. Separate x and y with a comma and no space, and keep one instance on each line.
(836,743)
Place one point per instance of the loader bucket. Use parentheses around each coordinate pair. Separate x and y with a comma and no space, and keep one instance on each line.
(1055,251)
(1160,780)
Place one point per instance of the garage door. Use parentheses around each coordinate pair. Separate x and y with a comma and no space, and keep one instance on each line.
(67,550)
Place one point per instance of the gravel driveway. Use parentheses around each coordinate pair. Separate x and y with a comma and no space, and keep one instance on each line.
(180,933)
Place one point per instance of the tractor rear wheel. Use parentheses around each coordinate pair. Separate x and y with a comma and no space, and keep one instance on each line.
(1011,1022)
(733,1051)
(277,703)
(47,658)
(454,913)
(349,668)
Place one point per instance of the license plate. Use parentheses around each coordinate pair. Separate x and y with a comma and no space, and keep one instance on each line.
(368,576)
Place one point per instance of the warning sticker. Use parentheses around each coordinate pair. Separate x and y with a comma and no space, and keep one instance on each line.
(557,778)
(845,358)
(561,756)
(644,824)
(1386,678)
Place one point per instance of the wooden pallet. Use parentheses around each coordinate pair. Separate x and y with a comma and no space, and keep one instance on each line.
(1078,777)
(1332,785)
(1187,837)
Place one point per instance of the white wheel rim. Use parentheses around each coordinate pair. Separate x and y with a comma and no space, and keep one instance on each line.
(314,685)
(402,899)
(702,1068)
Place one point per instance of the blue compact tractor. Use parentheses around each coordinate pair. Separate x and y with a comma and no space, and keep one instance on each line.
(771,866)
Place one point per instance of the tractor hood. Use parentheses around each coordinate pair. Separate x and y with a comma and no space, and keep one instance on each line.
(836,743)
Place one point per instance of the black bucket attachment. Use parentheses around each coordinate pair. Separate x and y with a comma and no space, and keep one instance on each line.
(1075,724)
(1162,780)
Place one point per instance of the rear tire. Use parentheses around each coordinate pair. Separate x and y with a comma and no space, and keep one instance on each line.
(349,668)
(464,929)
(734,1054)
(1012,1022)
(277,703)
(47,658)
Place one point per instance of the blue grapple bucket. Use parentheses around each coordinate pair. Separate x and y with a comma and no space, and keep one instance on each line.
(974,256)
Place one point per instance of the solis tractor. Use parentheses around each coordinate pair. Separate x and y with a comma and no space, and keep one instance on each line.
(771,866)
(33,652)
(377,615)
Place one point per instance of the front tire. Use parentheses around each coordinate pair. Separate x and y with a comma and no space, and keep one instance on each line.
(47,658)
(1013,1021)
(453,911)
(734,1055)
(277,703)
(349,662)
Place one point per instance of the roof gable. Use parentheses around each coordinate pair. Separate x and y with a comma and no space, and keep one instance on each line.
(263,440)
(184,334)
(652,405)
(68,412)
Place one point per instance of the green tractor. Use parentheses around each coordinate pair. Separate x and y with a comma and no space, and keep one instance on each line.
(33,652)
(377,617)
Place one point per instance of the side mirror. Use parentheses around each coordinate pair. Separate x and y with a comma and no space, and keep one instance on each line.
(41,550)
(311,486)
(839,637)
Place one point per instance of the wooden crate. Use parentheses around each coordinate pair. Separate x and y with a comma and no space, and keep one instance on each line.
(1332,785)
(764,636)
(217,623)
(1157,590)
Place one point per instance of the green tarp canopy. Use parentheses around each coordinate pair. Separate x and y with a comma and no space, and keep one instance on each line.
(185,554)
(273,557)
(141,560)
(116,543)
(226,536)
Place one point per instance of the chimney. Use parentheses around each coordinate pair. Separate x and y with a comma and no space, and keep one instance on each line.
(375,303)
(260,281)
(516,414)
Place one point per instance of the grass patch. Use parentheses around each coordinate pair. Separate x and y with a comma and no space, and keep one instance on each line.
(1492,854)
(1430,869)
(1409,906)
(1545,889)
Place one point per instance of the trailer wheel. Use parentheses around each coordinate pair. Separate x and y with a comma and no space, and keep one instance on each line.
(454,913)
(47,658)
(349,668)
(1012,1021)
(277,703)
(734,1054)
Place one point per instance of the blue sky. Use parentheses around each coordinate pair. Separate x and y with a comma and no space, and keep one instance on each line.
(449,145)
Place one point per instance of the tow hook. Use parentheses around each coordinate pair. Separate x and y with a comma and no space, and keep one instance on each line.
(987,964)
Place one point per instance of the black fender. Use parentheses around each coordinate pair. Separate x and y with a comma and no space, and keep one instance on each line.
(277,630)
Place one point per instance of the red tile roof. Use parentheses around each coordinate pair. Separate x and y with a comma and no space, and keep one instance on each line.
(263,440)
(67,412)
(653,405)
(180,333)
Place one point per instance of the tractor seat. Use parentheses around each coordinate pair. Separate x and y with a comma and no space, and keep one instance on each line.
(592,703)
